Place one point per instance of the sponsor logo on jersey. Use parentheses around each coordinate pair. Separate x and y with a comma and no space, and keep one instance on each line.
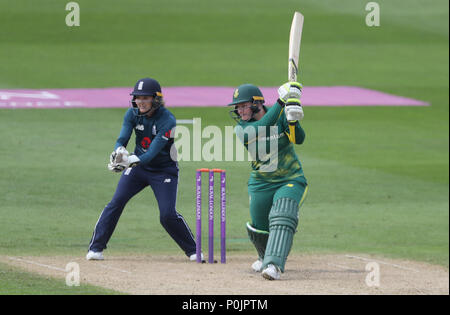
(278,136)
(166,135)
(145,143)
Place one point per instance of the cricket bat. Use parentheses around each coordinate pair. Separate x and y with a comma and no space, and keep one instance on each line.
(295,38)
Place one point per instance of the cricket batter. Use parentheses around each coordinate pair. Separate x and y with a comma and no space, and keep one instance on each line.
(150,165)
(277,186)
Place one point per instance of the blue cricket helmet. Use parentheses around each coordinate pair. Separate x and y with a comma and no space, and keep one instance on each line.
(147,87)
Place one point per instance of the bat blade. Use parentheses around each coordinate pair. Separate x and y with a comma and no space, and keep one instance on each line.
(295,38)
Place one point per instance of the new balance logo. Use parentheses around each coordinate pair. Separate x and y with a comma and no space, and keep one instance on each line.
(167,180)
(127,171)
(140,127)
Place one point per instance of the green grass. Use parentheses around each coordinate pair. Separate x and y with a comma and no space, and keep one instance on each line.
(368,201)
(378,176)
(13,281)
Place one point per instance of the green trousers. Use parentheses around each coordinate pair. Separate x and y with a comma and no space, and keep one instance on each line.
(261,200)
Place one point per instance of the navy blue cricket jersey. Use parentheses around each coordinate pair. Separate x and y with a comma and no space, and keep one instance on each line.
(153,138)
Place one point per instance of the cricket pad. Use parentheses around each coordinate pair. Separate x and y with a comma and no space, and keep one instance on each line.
(283,221)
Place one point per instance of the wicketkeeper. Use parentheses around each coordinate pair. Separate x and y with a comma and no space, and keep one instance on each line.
(277,186)
(150,164)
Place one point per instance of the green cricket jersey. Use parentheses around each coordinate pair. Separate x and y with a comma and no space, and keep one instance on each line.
(276,161)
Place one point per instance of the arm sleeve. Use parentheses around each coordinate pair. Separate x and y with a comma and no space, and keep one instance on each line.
(160,140)
(299,132)
(126,131)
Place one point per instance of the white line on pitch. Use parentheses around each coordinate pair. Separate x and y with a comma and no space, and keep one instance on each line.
(37,264)
(382,262)
(116,269)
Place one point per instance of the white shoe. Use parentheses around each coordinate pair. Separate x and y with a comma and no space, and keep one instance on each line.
(257,265)
(193,257)
(271,272)
(91,255)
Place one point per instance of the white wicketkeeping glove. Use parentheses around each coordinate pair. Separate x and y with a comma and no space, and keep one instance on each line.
(115,168)
(290,90)
(294,110)
(119,155)
(117,159)
(131,161)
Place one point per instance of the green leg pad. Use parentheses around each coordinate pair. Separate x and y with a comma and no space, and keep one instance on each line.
(259,239)
(283,221)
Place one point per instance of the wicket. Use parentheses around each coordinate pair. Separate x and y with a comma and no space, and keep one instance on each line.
(198,214)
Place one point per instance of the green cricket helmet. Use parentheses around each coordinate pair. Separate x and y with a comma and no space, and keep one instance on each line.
(247,93)
(243,94)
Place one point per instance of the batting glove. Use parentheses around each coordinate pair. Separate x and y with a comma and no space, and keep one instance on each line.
(290,90)
(294,110)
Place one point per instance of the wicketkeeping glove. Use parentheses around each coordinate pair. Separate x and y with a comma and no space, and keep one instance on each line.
(290,90)
(294,110)
(115,168)
(119,155)
(132,161)
(117,160)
